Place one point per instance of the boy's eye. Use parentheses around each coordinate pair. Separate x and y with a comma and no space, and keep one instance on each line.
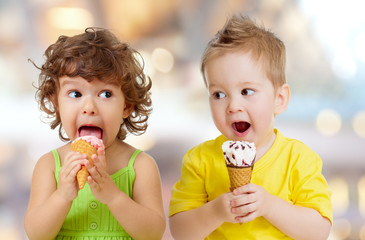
(106,94)
(218,95)
(74,94)
(247,92)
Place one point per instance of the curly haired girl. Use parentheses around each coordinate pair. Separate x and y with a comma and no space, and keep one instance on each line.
(92,84)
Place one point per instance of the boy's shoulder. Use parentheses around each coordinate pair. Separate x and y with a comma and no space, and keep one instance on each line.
(296,149)
(207,149)
(209,144)
(293,143)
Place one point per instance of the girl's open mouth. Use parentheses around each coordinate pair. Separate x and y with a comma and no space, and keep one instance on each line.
(91,131)
(241,127)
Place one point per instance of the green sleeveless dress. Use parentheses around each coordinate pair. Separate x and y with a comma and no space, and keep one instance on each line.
(90,219)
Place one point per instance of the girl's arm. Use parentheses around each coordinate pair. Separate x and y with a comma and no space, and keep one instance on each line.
(49,206)
(295,221)
(145,214)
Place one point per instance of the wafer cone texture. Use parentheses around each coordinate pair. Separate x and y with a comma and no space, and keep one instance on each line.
(83,147)
(239,176)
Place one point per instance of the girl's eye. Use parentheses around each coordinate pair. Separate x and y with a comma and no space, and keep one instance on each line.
(218,95)
(247,92)
(74,94)
(106,94)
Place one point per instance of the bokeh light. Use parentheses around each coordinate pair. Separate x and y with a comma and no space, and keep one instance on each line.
(341,228)
(362,233)
(358,124)
(361,191)
(70,18)
(359,46)
(9,233)
(162,60)
(328,122)
(7,151)
(344,66)
(340,195)
(146,63)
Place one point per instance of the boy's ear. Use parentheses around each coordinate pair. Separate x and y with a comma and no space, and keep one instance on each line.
(282,99)
(128,108)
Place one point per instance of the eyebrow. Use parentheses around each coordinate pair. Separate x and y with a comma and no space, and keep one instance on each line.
(211,85)
(66,81)
(70,81)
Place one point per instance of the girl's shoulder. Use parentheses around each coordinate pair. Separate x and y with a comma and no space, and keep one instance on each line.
(143,162)
(147,175)
(44,170)
(47,161)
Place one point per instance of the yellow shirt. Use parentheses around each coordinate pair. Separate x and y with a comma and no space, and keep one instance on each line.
(289,170)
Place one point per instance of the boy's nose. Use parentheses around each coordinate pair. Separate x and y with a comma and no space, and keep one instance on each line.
(234,105)
(89,107)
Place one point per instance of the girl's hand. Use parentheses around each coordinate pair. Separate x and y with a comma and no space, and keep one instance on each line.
(251,201)
(101,184)
(67,179)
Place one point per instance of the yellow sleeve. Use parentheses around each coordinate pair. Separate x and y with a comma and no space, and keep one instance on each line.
(310,188)
(189,192)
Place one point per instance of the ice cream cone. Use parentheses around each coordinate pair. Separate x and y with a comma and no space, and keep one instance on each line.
(84,147)
(239,157)
(239,176)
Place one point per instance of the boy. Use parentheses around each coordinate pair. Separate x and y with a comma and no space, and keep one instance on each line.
(288,197)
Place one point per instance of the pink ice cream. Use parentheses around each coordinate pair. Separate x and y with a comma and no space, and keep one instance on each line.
(94,141)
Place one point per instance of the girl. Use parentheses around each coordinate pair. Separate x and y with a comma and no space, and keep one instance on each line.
(92,84)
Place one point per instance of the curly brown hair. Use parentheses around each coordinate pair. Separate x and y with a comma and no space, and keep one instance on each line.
(96,54)
(240,33)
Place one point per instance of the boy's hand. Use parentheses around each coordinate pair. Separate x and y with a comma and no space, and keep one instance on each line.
(68,186)
(251,201)
(101,184)
(225,210)
(223,207)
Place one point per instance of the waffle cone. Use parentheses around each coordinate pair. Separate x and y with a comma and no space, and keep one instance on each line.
(83,147)
(239,176)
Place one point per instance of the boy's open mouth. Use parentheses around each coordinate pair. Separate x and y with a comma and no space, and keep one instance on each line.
(241,126)
(91,131)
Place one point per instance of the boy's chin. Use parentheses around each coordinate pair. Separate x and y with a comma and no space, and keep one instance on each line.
(240,135)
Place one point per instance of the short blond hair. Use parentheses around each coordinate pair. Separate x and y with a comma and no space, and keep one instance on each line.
(240,33)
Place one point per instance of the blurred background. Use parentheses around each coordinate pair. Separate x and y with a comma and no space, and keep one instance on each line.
(325,43)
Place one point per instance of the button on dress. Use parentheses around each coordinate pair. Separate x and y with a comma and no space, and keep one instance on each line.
(90,219)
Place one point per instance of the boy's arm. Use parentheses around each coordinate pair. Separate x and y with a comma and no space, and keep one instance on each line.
(295,221)
(198,223)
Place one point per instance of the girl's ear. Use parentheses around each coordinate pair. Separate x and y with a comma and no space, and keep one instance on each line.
(128,108)
(282,99)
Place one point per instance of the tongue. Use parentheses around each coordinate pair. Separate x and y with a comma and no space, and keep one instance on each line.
(241,126)
(90,131)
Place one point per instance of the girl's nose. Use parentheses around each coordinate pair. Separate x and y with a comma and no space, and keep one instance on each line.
(89,107)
